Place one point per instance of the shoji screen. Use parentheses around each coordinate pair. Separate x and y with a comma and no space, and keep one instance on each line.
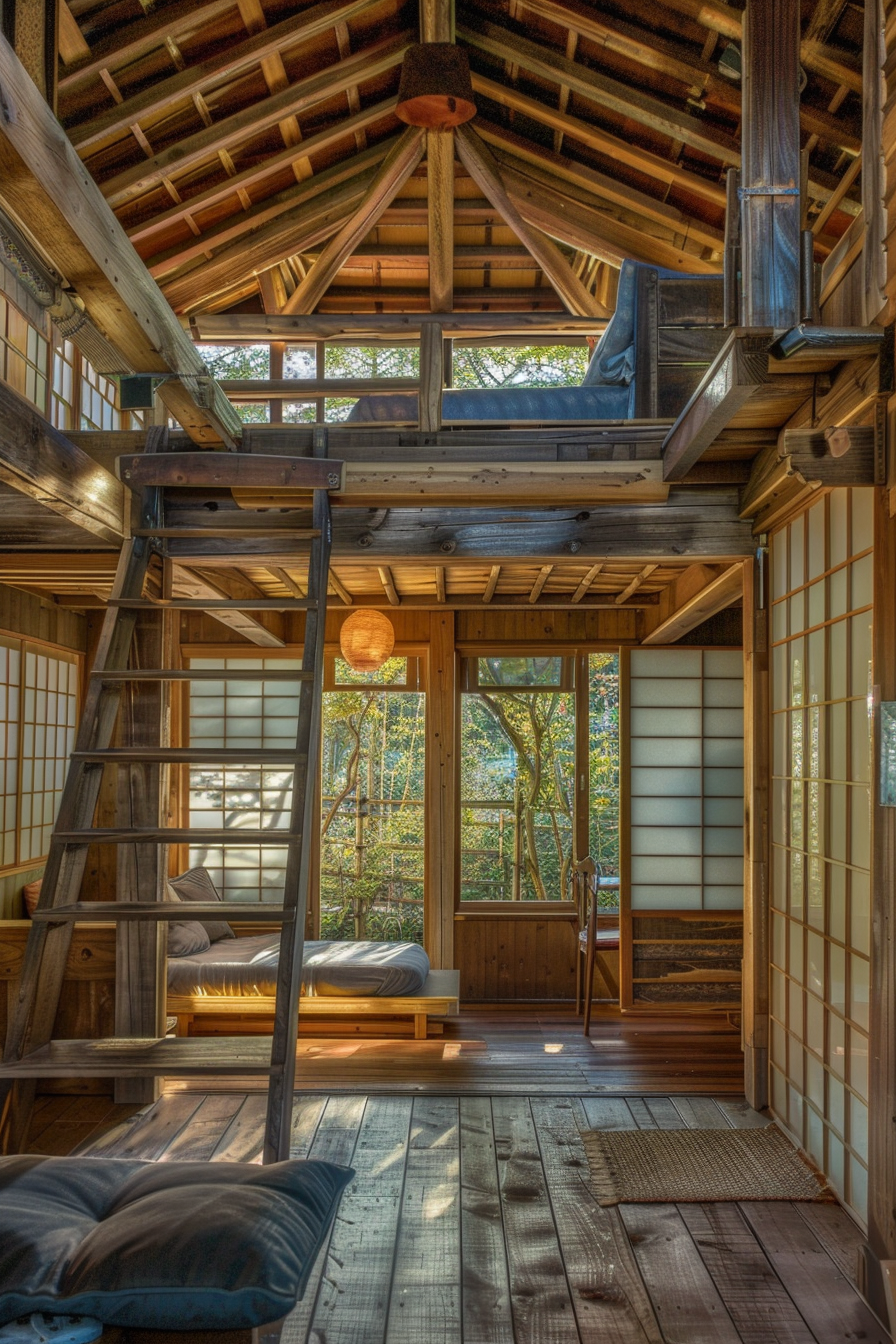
(821,568)
(686,757)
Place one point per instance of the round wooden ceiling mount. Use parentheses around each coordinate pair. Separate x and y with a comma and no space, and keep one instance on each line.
(435,89)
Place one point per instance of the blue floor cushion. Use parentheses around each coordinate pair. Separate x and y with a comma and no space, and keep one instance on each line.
(161,1245)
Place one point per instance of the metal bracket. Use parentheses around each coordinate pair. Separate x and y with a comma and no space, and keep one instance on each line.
(767,191)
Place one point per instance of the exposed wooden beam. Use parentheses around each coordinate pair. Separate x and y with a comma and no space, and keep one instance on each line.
(663,118)
(480,164)
(283,576)
(635,584)
(440,206)
(388,583)
(606,190)
(377,484)
(261,169)
(397,167)
(339,588)
(441,591)
(436,20)
(554,206)
(230,60)
(690,609)
(494,576)
(258,470)
(594,137)
(252,120)
(45,186)
(587,581)
(298,389)
(136,39)
(72,43)
(738,371)
(219,328)
(311,197)
(543,575)
(188,583)
(302,225)
(43,464)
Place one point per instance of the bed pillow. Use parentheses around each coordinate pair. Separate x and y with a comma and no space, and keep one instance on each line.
(196,885)
(161,1246)
(187,936)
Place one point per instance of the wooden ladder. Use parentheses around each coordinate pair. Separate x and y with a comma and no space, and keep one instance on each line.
(30,1052)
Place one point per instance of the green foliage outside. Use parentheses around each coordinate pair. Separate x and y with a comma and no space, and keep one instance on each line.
(372,788)
(520,366)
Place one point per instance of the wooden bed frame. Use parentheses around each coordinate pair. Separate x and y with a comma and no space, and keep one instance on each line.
(437,999)
(88,995)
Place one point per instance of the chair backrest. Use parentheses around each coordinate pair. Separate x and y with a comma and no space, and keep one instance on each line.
(585,874)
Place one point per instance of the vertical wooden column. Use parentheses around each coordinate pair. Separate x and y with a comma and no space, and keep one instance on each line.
(757,768)
(144,721)
(437,25)
(770,172)
(441,791)
(431,364)
(882,1079)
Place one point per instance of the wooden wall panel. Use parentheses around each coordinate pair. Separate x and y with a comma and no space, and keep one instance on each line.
(515,958)
(35,617)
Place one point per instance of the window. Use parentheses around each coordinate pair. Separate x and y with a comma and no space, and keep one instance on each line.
(518,745)
(99,399)
(372,826)
(38,711)
(62,400)
(24,355)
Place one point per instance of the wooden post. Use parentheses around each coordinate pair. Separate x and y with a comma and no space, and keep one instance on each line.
(431,363)
(882,1047)
(756,834)
(441,792)
(770,173)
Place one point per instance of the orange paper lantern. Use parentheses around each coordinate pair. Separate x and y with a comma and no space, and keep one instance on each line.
(366,639)
(435,89)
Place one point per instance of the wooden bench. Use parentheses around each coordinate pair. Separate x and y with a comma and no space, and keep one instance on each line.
(437,999)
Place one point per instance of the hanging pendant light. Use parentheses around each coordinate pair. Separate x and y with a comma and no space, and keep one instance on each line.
(435,89)
(366,639)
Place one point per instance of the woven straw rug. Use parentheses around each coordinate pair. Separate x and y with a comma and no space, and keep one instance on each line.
(679,1166)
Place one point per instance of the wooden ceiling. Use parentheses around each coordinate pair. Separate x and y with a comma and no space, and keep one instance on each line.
(252,151)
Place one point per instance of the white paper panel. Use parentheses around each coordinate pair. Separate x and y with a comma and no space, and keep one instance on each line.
(666,840)
(665,751)
(723,811)
(721,692)
(723,840)
(666,722)
(665,811)
(665,783)
(723,783)
(723,663)
(723,751)
(666,663)
(725,872)
(646,896)
(674,871)
(657,691)
(723,723)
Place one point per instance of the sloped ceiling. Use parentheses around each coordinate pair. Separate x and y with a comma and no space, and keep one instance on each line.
(244,144)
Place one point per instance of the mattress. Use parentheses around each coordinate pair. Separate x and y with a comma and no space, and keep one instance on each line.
(350,969)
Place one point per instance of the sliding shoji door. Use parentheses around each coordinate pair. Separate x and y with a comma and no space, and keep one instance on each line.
(821,569)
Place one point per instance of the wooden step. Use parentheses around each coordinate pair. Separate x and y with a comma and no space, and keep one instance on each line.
(106,912)
(189,756)
(213,603)
(149,835)
(200,674)
(146,1057)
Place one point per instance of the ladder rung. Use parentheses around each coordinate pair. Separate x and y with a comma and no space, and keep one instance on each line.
(131,835)
(146,1057)
(189,756)
(200,674)
(213,603)
(102,912)
(216,530)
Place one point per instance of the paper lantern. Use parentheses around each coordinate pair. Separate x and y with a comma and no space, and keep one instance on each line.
(366,639)
(435,89)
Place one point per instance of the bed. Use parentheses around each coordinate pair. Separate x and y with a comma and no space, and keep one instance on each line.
(217,976)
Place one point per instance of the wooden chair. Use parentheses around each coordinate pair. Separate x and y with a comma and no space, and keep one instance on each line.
(592,936)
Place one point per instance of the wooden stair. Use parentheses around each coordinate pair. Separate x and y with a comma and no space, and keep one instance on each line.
(135,626)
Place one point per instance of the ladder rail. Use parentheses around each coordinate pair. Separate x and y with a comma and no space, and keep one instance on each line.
(278,1123)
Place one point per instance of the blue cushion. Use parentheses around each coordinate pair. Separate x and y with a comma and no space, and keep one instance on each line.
(157,1246)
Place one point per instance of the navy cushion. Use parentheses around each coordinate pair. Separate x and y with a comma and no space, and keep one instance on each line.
(180,1245)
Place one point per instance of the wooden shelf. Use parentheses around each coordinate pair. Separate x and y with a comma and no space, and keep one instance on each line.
(107,912)
(146,1057)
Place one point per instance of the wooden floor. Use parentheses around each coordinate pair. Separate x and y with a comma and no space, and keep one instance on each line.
(531,1051)
(470,1221)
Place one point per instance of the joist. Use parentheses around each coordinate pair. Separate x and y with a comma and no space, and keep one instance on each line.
(364,327)
(43,182)
(303,474)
